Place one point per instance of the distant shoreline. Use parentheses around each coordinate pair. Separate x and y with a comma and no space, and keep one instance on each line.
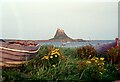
(75,40)
(49,41)
(46,40)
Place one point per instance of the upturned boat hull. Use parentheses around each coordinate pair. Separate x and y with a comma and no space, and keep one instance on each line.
(15,53)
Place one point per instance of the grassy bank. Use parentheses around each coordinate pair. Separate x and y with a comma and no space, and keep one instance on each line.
(64,64)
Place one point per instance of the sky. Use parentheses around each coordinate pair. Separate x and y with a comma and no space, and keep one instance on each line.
(39,19)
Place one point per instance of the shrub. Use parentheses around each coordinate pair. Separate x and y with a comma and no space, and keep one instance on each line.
(69,52)
(45,49)
(65,70)
(63,65)
(114,55)
(86,52)
(96,69)
(52,58)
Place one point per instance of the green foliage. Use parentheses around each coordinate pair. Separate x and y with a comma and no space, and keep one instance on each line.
(12,75)
(67,65)
(86,52)
(92,67)
(69,52)
(52,58)
(64,71)
(45,49)
(110,73)
(114,55)
(96,69)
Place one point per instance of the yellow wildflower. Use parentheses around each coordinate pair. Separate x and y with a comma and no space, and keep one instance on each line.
(53,51)
(42,58)
(58,53)
(105,69)
(92,59)
(101,73)
(96,58)
(46,57)
(96,61)
(56,49)
(55,55)
(102,59)
(53,65)
(51,57)
(100,66)
(89,55)
(88,62)
(100,63)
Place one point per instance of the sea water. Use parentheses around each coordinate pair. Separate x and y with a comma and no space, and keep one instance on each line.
(77,44)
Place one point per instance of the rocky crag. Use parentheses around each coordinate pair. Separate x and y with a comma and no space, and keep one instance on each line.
(61,36)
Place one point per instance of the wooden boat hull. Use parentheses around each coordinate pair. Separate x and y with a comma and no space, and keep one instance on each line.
(15,54)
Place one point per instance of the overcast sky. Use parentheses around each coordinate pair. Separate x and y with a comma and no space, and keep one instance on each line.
(39,19)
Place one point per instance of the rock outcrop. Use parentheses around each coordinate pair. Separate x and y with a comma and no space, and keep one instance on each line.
(61,36)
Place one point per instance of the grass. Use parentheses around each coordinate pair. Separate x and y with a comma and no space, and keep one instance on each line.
(69,67)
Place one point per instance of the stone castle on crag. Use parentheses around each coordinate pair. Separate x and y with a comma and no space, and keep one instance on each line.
(61,36)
